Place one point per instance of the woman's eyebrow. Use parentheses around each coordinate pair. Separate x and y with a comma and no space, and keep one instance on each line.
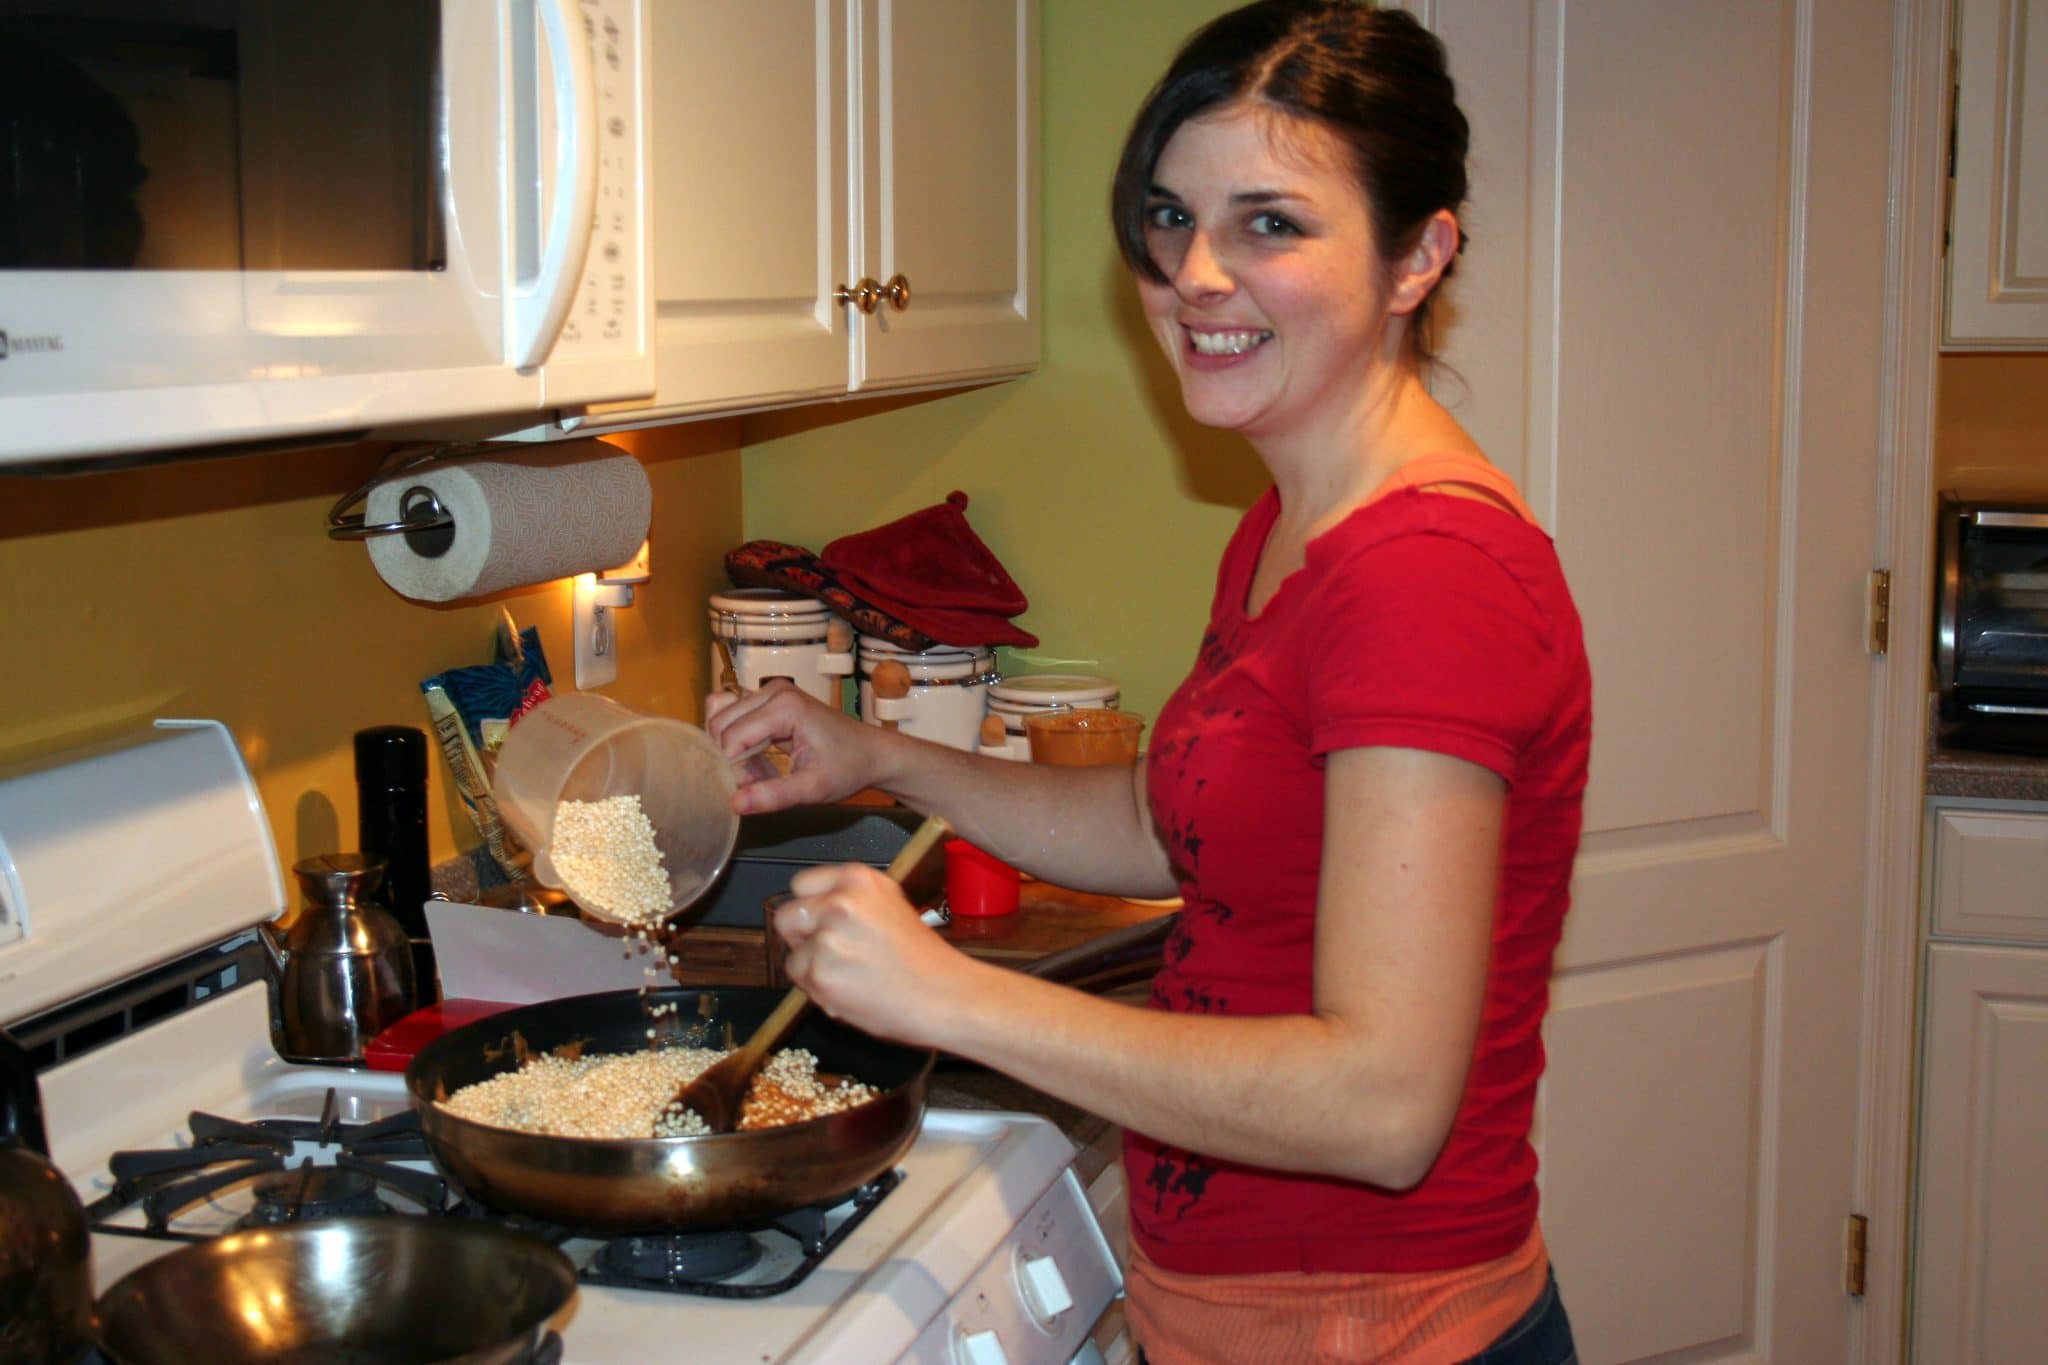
(1268,197)
(1240,197)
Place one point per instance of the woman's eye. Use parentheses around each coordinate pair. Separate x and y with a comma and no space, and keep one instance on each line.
(1275,225)
(1167,216)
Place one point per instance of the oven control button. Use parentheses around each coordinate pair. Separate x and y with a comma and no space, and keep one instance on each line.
(979,1348)
(1045,1289)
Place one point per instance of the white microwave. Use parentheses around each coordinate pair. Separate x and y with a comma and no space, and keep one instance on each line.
(230,222)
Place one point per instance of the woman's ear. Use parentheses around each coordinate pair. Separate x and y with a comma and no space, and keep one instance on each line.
(1426,262)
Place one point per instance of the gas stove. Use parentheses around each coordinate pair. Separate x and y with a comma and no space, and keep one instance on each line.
(226,1175)
(980,1246)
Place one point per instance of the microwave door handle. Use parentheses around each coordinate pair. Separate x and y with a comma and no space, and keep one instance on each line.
(540,307)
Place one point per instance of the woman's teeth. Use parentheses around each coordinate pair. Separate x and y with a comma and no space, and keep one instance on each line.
(1227,343)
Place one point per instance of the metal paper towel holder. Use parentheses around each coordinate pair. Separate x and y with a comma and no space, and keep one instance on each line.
(427,526)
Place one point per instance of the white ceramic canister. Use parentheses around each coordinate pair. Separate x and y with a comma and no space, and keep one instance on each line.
(777,634)
(948,691)
(1015,698)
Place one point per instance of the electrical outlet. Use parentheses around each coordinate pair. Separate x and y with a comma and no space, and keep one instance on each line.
(593,624)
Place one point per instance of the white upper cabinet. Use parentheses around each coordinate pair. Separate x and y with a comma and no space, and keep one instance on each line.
(1998,224)
(948,173)
(845,199)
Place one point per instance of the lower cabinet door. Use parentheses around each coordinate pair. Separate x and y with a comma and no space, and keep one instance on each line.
(1980,1259)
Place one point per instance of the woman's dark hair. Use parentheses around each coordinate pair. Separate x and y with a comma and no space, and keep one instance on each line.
(1375,78)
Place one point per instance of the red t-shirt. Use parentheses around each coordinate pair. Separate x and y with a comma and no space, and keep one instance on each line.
(1421,621)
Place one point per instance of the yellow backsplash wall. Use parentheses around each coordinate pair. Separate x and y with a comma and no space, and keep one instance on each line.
(1106,505)
(210,589)
(1991,425)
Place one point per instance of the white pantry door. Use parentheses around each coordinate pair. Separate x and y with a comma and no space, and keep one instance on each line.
(1670,326)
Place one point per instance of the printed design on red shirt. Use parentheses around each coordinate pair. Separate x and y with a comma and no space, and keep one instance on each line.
(1177,1181)
(1173,754)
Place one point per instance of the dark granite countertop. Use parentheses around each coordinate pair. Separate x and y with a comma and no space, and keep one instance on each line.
(1982,774)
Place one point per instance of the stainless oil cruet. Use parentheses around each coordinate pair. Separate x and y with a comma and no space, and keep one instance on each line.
(341,972)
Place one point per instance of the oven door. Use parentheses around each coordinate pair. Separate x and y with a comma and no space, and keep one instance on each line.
(256,221)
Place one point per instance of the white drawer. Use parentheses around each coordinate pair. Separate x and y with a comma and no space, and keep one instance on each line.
(1990,873)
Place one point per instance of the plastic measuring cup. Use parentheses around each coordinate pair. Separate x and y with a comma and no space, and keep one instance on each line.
(580,747)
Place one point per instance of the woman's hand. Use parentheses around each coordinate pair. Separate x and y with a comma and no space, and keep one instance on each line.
(861,951)
(831,754)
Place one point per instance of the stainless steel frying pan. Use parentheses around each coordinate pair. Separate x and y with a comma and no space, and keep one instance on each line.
(390,1290)
(655,1184)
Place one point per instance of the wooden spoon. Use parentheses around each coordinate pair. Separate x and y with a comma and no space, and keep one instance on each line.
(718,1091)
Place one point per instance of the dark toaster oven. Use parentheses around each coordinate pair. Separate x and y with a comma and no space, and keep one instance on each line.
(1991,624)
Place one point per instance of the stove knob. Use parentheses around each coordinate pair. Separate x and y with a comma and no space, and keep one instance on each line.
(1045,1289)
(979,1348)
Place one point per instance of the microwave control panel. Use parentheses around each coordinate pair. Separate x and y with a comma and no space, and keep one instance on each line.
(610,316)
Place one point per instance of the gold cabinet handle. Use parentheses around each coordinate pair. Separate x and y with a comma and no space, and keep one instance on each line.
(865,295)
(897,291)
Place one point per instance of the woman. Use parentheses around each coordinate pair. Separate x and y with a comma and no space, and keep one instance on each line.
(1367,791)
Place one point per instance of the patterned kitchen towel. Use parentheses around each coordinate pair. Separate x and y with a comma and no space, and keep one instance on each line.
(951,625)
(773,564)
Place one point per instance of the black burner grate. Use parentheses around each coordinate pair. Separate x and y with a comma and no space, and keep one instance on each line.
(355,1167)
(792,1245)
(354,1171)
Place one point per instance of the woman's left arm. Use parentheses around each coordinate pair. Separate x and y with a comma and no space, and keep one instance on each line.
(1363,1088)
(1404,932)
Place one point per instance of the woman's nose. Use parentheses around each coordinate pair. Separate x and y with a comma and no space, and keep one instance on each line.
(1201,271)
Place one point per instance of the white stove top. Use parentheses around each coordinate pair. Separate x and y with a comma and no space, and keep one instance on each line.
(965,1259)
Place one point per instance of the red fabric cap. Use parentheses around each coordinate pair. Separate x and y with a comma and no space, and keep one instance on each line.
(773,564)
(931,557)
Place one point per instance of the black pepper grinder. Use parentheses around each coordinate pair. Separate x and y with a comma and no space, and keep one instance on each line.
(391,823)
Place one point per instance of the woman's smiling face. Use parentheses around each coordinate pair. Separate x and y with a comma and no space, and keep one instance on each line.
(1274,309)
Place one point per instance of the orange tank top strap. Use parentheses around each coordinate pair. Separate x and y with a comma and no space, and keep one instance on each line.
(1459,467)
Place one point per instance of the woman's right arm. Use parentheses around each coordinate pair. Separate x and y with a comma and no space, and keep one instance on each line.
(1089,829)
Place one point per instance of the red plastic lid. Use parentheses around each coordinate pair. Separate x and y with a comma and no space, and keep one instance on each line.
(978,884)
(395,1047)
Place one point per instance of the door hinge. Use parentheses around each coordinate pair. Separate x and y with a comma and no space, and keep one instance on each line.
(1855,1247)
(1880,610)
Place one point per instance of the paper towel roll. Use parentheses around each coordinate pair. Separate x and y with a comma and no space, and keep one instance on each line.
(523,517)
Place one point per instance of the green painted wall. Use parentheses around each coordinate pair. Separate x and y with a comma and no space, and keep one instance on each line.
(1106,505)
